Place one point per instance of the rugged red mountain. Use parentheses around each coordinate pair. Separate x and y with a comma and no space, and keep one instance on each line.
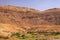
(23,19)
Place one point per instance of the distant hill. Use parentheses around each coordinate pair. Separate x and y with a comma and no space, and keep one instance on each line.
(28,19)
(52,16)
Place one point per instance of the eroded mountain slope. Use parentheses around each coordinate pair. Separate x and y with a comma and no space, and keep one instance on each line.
(29,19)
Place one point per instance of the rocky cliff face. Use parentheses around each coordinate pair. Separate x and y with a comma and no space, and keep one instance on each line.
(22,19)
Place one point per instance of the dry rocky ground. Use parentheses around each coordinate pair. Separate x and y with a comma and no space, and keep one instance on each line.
(15,19)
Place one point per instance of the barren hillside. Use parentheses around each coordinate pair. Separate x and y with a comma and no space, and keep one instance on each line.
(28,19)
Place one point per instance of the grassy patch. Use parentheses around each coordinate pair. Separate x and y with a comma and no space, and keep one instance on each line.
(56,36)
(33,36)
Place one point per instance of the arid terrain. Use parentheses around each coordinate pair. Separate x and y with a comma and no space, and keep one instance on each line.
(15,19)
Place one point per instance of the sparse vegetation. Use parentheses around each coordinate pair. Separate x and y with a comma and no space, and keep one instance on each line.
(33,36)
